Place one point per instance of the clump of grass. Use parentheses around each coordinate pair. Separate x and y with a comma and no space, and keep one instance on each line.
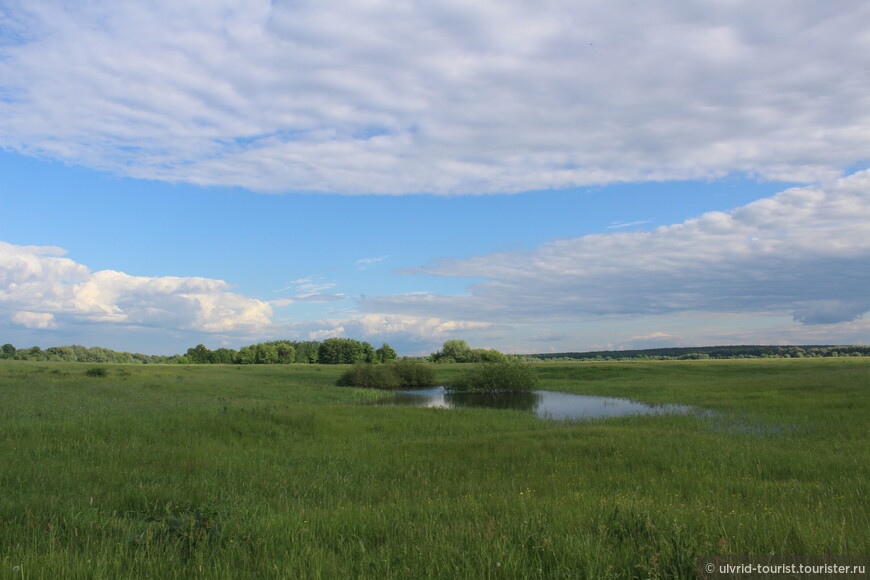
(187,528)
(500,377)
(96,372)
(390,376)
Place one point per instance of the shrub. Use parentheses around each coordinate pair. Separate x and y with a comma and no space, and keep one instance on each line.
(499,377)
(413,374)
(391,376)
(183,528)
(370,376)
(96,372)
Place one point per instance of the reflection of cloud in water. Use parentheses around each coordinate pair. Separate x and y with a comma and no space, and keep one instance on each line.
(545,404)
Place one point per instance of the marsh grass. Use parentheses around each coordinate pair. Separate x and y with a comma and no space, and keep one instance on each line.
(272,472)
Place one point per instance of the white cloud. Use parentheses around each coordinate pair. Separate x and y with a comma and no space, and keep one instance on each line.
(44,289)
(621,225)
(309,289)
(408,333)
(805,251)
(309,286)
(39,320)
(364,263)
(446,97)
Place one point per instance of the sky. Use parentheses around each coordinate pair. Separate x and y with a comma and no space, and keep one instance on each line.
(533,177)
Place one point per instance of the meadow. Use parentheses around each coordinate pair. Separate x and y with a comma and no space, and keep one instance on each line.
(219,471)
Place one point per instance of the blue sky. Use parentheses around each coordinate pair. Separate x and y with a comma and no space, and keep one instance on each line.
(575,177)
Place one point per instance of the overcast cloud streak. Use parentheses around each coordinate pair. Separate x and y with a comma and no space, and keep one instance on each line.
(443,97)
(805,251)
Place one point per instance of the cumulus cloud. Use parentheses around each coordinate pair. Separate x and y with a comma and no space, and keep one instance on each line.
(38,320)
(805,251)
(404,328)
(41,289)
(447,97)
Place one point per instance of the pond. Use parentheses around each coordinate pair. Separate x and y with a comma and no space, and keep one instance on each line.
(544,404)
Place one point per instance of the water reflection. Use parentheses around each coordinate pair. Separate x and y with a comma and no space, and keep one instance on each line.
(545,404)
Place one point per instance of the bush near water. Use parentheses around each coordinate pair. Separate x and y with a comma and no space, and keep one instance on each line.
(499,377)
(400,374)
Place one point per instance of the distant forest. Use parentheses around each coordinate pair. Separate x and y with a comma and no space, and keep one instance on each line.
(78,353)
(329,351)
(713,352)
(349,351)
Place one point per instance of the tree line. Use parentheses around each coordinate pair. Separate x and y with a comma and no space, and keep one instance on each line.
(713,352)
(78,353)
(458,351)
(351,351)
(329,351)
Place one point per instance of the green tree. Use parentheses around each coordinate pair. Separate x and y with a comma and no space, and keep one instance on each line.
(199,355)
(61,353)
(247,355)
(454,350)
(307,351)
(485,355)
(386,354)
(33,353)
(100,354)
(224,356)
(366,353)
(334,351)
(7,351)
(266,353)
(286,353)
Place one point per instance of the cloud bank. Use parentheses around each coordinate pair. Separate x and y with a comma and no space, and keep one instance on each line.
(805,251)
(801,255)
(40,289)
(446,97)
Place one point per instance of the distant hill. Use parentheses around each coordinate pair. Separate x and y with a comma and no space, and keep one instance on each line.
(713,352)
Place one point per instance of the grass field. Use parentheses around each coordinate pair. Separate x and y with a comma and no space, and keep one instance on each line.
(273,472)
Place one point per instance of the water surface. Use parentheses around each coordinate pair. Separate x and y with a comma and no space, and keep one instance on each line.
(544,404)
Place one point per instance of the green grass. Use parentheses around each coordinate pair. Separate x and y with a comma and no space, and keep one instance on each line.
(273,472)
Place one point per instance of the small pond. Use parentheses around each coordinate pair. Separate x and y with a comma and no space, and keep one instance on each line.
(545,404)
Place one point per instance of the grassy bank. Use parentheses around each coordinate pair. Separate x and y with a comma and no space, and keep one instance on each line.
(270,471)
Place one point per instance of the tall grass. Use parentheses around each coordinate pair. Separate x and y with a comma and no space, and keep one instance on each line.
(272,472)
